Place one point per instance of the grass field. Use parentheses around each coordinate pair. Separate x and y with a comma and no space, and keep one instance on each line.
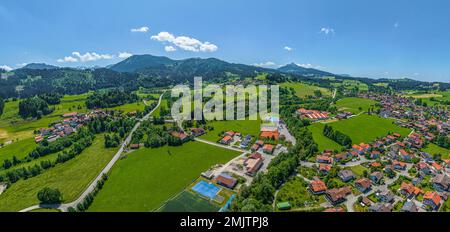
(303,90)
(357,128)
(354,104)
(188,202)
(435,149)
(20,149)
(251,127)
(323,142)
(432,98)
(71,178)
(350,84)
(148,177)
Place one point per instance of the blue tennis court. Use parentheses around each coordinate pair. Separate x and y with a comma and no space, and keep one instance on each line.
(206,189)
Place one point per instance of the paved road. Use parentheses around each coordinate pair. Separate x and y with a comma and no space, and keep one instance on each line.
(91,187)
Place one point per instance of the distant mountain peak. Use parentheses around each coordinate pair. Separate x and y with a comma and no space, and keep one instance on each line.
(294,68)
(39,66)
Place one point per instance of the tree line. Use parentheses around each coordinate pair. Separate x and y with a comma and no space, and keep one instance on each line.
(337,136)
(110,98)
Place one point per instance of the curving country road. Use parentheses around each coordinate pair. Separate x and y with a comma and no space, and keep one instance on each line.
(91,187)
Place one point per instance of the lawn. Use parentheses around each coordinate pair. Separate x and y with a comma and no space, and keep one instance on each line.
(350,84)
(71,178)
(435,149)
(147,178)
(359,170)
(358,129)
(354,104)
(323,142)
(20,149)
(251,127)
(303,90)
(367,128)
(295,192)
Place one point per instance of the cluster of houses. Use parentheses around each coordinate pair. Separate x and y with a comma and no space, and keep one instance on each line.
(67,126)
(386,156)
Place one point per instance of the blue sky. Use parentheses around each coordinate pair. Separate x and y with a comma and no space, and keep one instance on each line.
(363,38)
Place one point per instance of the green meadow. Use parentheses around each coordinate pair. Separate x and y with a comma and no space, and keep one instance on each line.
(71,178)
(251,127)
(145,179)
(357,128)
(355,104)
(303,90)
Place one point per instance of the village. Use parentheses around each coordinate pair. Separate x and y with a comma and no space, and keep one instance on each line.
(392,173)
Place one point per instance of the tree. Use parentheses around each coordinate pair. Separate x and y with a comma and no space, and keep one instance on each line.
(49,196)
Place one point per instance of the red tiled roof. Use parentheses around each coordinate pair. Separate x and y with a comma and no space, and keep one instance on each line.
(317,186)
(433,196)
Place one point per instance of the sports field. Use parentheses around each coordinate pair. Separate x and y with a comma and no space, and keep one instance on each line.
(303,90)
(71,178)
(188,202)
(146,178)
(357,128)
(355,104)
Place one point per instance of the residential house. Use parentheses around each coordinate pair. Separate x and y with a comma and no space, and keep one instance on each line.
(197,131)
(376,177)
(338,195)
(375,154)
(364,185)
(385,196)
(423,167)
(398,165)
(268,148)
(226,140)
(437,168)
(381,208)
(410,207)
(324,168)
(317,187)
(346,175)
(134,146)
(432,199)
(409,190)
(441,182)
(324,159)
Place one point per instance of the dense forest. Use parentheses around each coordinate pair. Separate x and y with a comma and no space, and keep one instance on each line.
(51,98)
(110,98)
(34,107)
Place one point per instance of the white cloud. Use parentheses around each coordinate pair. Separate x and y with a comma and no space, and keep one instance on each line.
(308,65)
(92,56)
(185,42)
(169,49)
(87,57)
(141,29)
(6,67)
(327,30)
(396,24)
(416,74)
(68,59)
(21,65)
(287,48)
(266,64)
(124,55)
